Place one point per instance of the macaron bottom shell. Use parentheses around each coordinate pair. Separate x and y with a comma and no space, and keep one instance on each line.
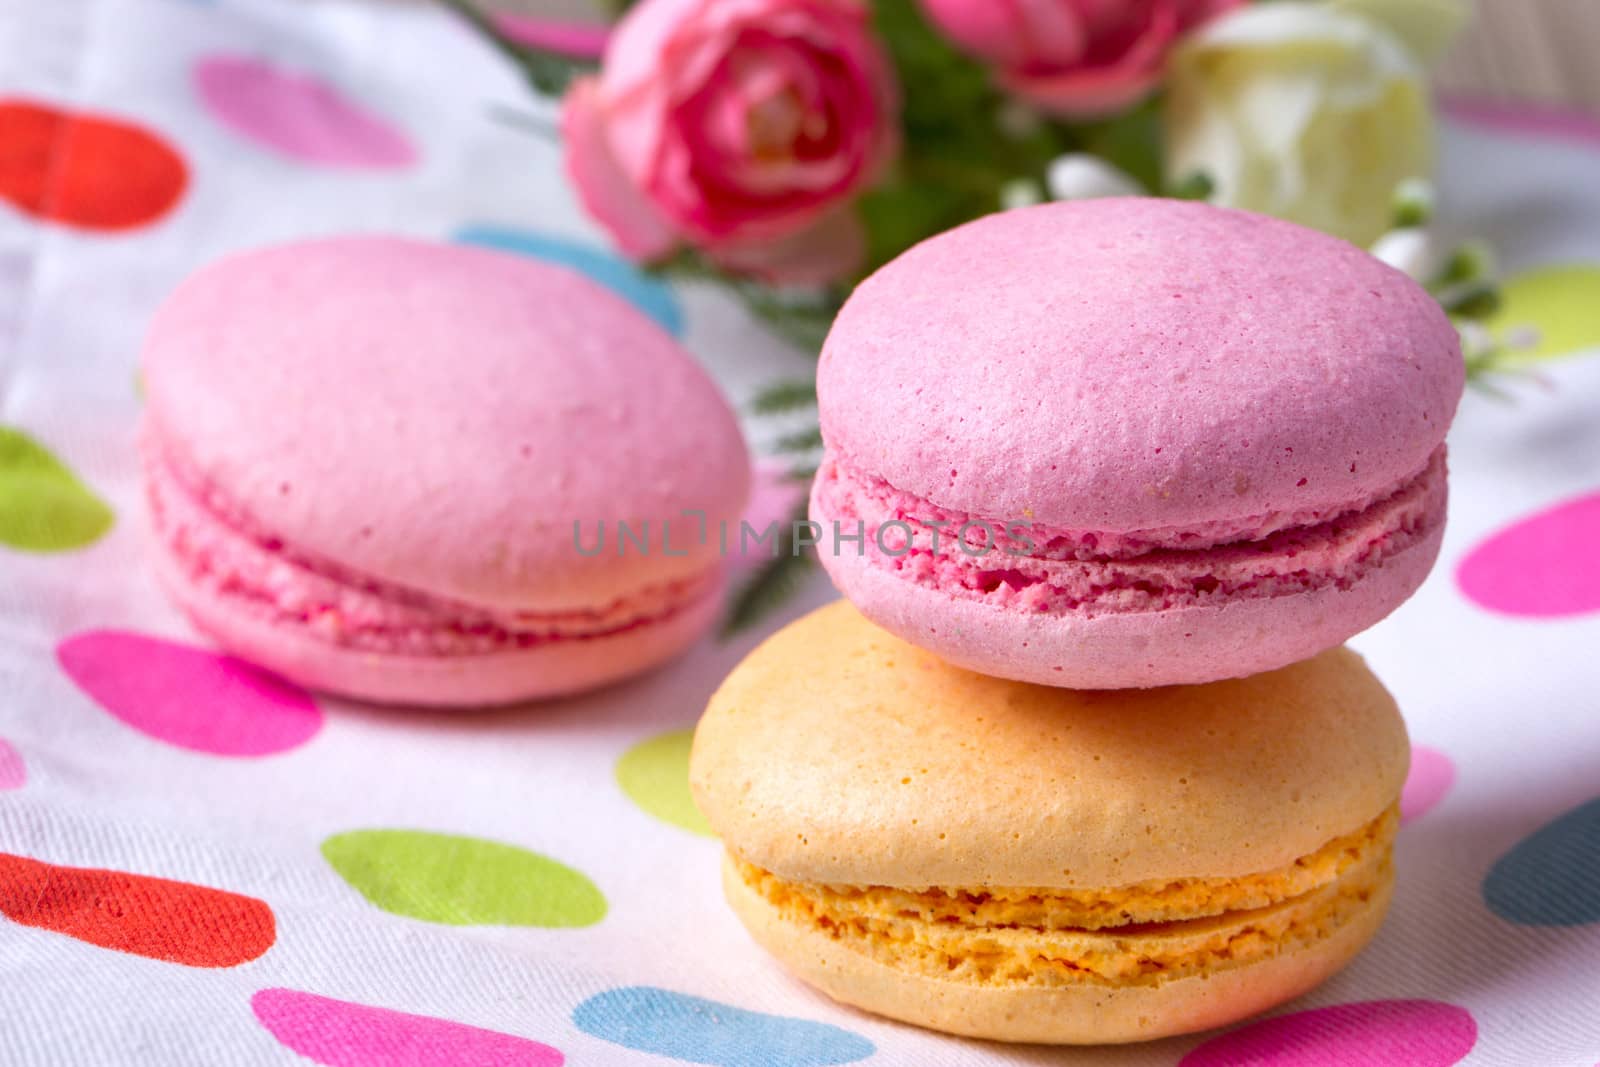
(1070,583)
(1183,646)
(557,668)
(341,631)
(1091,1012)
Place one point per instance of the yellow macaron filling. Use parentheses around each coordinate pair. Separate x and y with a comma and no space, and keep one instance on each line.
(1152,931)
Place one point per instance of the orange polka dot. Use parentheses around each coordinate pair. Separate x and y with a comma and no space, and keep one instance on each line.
(153,917)
(84,170)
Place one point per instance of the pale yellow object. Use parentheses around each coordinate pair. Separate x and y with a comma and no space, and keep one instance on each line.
(1427,27)
(1303,111)
(1025,863)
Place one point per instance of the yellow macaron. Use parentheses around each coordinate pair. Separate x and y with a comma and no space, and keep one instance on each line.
(1027,863)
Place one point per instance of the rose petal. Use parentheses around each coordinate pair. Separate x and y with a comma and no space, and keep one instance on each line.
(1121,77)
(602,186)
(735,123)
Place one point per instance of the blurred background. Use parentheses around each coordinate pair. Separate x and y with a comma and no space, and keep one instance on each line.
(1533,50)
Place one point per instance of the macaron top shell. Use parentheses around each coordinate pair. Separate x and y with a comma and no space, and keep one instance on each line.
(1138,364)
(839,754)
(439,417)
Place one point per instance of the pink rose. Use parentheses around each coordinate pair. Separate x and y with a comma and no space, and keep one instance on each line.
(1077,58)
(739,127)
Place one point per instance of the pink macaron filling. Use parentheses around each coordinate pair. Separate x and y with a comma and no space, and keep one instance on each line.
(1042,569)
(223,551)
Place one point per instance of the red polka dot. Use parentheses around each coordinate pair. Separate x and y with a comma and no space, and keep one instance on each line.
(154,917)
(90,171)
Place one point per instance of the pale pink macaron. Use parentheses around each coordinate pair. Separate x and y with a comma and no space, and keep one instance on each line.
(1197,443)
(395,470)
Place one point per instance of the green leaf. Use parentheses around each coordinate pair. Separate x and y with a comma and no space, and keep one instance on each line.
(1131,142)
(551,74)
(802,441)
(939,84)
(1478,301)
(957,152)
(1196,186)
(1414,204)
(805,325)
(784,396)
(901,213)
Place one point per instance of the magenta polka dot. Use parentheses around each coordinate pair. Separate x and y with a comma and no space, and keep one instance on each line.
(1432,775)
(339,1033)
(297,115)
(583,40)
(1541,566)
(13,772)
(189,697)
(1372,1033)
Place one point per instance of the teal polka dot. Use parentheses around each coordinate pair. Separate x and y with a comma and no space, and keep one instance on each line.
(696,1030)
(1552,876)
(650,295)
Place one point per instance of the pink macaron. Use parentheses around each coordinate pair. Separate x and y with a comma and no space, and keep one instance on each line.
(395,470)
(1160,443)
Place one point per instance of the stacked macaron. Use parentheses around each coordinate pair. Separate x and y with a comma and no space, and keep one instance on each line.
(1075,453)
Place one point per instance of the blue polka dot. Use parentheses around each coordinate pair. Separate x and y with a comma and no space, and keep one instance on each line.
(696,1030)
(650,295)
(1552,876)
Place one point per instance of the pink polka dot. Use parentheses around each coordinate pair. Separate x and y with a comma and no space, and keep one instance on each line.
(297,115)
(13,772)
(582,40)
(774,496)
(1529,120)
(341,1034)
(189,697)
(1432,775)
(1373,1033)
(1540,566)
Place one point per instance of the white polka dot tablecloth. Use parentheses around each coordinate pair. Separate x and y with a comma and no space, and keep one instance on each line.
(201,864)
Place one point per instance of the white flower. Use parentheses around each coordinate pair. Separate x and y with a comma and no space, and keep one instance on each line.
(1426,26)
(1020,192)
(1303,111)
(1080,176)
(1477,340)
(1411,249)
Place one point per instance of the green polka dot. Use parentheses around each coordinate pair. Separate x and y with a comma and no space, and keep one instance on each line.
(1561,302)
(655,775)
(462,881)
(43,506)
